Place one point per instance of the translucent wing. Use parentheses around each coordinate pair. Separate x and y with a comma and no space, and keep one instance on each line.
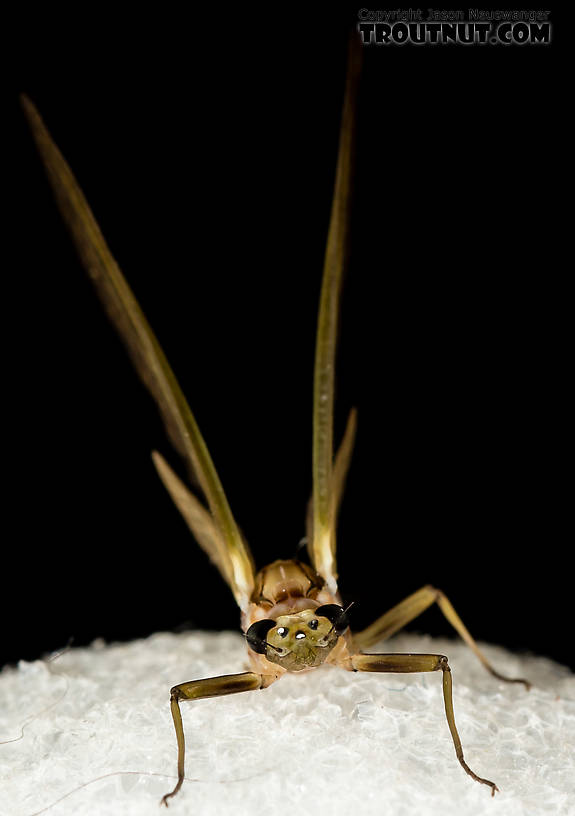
(323,543)
(198,519)
(340,469)
(145,351)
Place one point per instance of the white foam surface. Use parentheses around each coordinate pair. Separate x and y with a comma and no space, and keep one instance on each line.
(324,742)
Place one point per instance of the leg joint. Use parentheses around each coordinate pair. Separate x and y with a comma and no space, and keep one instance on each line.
(437,593)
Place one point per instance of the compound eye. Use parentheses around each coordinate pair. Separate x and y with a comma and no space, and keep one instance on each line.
(335,615)
(313,624)
(257,633)
(282,631)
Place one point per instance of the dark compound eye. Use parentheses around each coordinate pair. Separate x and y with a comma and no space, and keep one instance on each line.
(336,615)
(257,633)
(282,631)
(313,624)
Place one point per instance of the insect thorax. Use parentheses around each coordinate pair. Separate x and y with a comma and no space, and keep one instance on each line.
(285,586)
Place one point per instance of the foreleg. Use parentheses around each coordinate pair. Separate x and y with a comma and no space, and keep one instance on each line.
(199,689)
(399,663)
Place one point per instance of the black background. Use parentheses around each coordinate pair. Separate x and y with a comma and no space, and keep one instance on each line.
(206,147)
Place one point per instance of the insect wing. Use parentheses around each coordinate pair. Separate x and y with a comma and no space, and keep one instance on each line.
(144,349)
(323,544)
(340,469)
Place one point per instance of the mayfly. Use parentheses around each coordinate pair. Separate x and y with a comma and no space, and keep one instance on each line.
(291,612)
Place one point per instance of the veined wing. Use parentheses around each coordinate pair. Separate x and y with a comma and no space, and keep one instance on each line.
(145,351)
(340,469)
(323,544)
(198,519)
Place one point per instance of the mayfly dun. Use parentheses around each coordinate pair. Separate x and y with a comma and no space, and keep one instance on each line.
(291,612)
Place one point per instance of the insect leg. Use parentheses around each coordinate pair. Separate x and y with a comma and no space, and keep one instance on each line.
(399,663)
(199,689)
(412,606)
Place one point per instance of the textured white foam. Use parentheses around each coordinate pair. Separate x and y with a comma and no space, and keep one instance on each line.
(327,742)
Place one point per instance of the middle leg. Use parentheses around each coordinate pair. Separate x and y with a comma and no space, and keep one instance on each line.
(413,606)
